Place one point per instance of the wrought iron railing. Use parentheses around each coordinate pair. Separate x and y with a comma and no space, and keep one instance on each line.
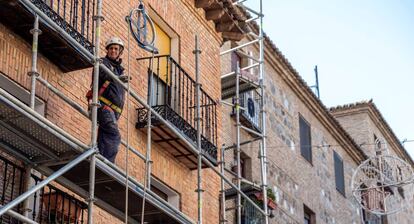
(52,205)
(49,205)
(11,185)
(74,16)
(250,215)
(174,97)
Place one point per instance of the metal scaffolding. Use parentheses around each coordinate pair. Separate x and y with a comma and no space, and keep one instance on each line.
(239,84)
(82,155)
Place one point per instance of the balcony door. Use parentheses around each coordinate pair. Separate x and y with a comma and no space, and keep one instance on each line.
(161,71)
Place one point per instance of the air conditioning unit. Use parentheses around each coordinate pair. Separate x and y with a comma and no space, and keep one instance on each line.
(252,112)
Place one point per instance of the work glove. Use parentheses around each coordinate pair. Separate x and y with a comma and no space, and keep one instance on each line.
(124,78)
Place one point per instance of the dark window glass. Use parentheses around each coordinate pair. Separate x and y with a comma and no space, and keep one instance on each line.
(308,215)
(305,139)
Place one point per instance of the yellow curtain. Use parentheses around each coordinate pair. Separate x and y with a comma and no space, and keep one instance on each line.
(163,44)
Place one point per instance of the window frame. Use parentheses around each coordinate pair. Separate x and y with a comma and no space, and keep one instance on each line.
(303,147)
(339,167)
(173,197)
(309,215)
(20,93)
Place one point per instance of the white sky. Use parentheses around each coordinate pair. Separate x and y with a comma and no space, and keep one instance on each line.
(364,49)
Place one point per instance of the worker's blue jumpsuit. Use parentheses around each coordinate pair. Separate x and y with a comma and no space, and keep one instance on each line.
(109,137)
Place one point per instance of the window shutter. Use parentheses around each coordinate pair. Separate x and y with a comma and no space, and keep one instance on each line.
(305,139)
(339,173)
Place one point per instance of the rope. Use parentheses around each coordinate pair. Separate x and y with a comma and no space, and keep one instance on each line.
(148,153)
(151,48)
(127,140)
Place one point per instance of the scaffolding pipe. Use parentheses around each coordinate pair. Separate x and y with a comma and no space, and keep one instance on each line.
(46,181)
(63,97)
(237,105)
(19,217)
(222,191)
(242,69)
(27,179)
(199,190)
(248,56)
(251,131)
(238,47)
(263,153)
(33,73)
(94,110)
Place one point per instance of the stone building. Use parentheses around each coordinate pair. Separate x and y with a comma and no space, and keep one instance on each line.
(312,151)
(56,133)
(365,123)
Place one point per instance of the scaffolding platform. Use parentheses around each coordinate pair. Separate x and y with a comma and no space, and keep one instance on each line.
(228,85)
(35,140)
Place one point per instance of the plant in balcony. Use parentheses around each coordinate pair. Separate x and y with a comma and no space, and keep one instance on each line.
(258,199)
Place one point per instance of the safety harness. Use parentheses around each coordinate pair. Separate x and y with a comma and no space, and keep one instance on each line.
(108,103)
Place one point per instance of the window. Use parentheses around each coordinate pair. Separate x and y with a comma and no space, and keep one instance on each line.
(305,139)
(165,192)
(339,173)
(308,215)
(369,218)
(20,93)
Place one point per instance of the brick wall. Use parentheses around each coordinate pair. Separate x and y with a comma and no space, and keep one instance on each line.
(187,21)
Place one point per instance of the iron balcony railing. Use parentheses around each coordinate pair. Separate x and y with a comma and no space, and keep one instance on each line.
(11,185)
(250,215)
(49,205)
(52,205)
(174,97)
(74,16)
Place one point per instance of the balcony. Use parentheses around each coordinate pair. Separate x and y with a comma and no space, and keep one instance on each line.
(49,205)
(250,117)
(74,17)
(174,98)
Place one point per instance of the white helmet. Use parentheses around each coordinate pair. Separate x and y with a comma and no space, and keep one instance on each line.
(114,40)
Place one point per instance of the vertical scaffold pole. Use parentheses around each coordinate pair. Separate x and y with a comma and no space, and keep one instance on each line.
(263,153)
(222,191)
(98,19)
(199,190)
(237,106)
(34,74)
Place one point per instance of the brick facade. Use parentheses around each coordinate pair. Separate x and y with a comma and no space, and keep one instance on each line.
(186,21)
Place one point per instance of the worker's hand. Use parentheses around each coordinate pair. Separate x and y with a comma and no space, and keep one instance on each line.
(124,78)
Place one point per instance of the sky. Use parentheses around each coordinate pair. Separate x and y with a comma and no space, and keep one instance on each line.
(363,49)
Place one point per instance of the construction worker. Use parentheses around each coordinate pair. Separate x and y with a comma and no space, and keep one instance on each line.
(111,97)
